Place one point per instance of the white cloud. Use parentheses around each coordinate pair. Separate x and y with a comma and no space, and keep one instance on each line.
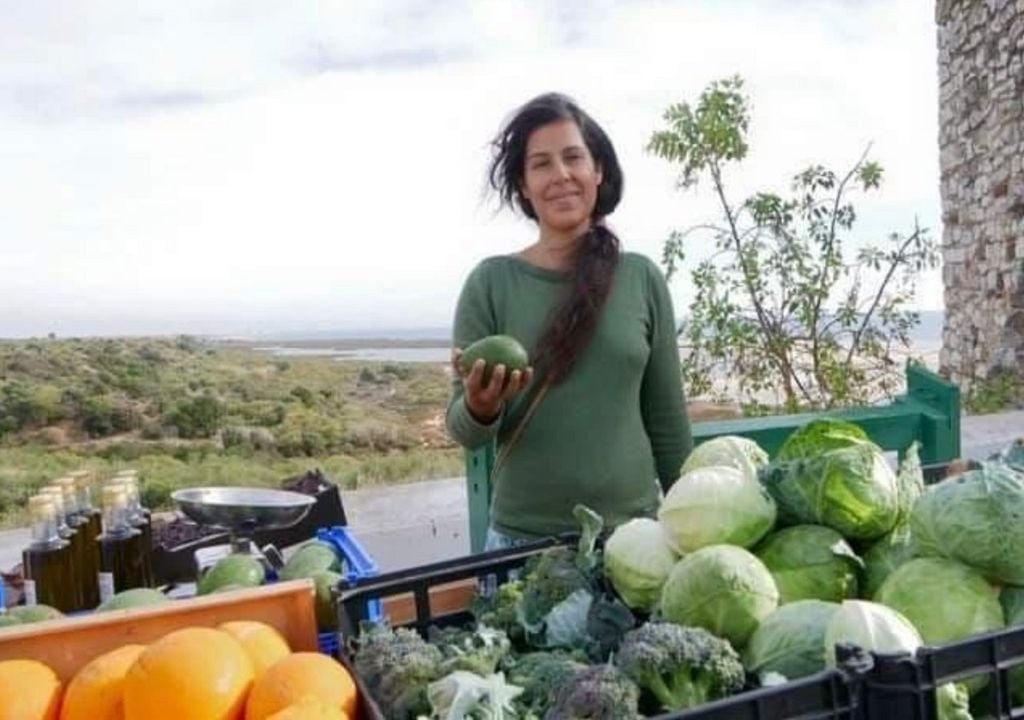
(238,166)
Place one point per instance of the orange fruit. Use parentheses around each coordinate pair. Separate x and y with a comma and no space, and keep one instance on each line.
(189,674)
(264,644)
(310,708)
(29,690)
(293,678)
(97,690)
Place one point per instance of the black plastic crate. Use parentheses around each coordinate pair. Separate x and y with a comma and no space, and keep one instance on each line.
(829,695)
(903,686)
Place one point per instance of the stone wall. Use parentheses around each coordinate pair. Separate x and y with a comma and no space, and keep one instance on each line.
(981,142)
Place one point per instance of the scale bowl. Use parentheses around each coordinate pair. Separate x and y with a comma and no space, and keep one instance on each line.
(242,509)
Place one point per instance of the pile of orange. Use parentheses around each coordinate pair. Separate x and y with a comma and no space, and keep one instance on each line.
(238,671)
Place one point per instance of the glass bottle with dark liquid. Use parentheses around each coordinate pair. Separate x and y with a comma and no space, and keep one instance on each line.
(84,483)
(66,532)
(122,565)
(138,517)
(47,561)
(86,554)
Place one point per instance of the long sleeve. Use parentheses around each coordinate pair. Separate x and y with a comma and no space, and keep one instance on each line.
(662,403)
(474,319)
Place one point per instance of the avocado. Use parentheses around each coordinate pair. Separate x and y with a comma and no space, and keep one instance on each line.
(231,587)
(309,559)
(34,613)
(9,621)
(326,617)
(243,570)
(496,350)
(136,597)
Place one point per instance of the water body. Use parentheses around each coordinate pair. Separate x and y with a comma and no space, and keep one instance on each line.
(369,354)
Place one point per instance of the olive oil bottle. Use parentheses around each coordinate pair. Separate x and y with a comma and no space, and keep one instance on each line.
(47,561)
(122,564)
(84,483)
(138,516)
(86,553)
(56,494)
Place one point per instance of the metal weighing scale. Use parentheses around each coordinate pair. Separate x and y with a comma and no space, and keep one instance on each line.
(241,511)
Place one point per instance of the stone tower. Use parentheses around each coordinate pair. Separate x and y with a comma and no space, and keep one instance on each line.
(981,142)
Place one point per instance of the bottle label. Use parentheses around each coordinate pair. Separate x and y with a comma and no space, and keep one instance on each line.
(30,592)
(106,586)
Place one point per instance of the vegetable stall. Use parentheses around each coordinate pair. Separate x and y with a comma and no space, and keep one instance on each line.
(793,571)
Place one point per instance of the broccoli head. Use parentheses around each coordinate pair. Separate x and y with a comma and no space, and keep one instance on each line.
(597,692)
(477,651)
(397,666)
(539,674)
(500,610)
(681,667)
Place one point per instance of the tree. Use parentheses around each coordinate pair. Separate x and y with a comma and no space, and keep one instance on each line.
(778,303)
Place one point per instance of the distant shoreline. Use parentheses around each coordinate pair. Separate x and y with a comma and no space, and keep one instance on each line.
(339,343)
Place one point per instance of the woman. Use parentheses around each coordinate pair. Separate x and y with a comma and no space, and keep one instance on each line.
(599,418)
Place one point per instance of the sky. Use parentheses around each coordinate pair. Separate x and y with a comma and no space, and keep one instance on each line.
(251,167)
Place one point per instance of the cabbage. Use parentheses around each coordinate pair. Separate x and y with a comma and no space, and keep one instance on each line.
(885,556)
(883,630)
(723,589)
(819,437)
(976,518)
(967,604)
(810,562)
(852,490)
(945,600)
(871,626)
(1012,599)
(790,641)
(716,505)
(728,451)
(637,559)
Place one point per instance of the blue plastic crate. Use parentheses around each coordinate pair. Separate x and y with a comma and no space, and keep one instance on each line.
(359,565)
(329,643)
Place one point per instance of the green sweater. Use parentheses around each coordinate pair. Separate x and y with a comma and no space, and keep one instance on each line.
(608,433)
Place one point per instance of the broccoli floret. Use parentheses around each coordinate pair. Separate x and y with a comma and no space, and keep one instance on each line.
(551,577)
(500,610)
(540,674)
(598,692)
(559,572)
(682,667)
(477,651)
(397,665)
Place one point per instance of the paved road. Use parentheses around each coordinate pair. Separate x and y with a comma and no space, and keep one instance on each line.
(408,525)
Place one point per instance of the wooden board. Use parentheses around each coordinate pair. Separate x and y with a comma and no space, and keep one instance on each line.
(444,599)
(69,643)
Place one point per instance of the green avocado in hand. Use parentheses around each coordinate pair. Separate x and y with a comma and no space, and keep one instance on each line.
(496,350)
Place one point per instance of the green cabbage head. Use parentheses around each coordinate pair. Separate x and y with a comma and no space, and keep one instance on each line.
(721,588)
(790,641)
(810,562)
(883,630)
(716,505)
(637,560)
(976,518)
(851,490)
(728,451)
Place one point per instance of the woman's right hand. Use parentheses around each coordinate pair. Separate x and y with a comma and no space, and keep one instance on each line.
(485,401)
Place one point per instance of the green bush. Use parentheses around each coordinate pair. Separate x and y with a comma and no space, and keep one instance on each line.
(98,416)
(198,417)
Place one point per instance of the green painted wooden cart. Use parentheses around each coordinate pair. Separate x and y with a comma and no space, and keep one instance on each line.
(929,413)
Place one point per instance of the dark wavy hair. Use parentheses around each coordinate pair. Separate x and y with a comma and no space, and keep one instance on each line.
(573,322)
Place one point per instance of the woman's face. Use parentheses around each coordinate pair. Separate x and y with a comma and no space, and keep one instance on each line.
(560,178)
